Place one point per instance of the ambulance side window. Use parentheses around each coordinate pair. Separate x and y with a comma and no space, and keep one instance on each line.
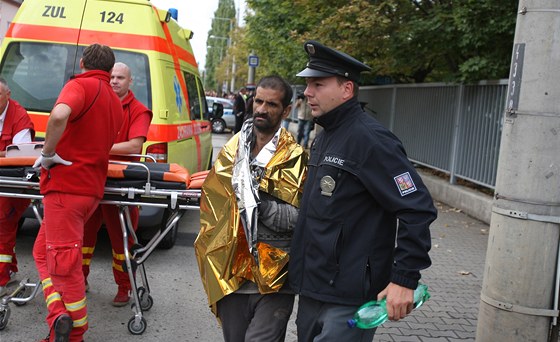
(194,96)
(36,72)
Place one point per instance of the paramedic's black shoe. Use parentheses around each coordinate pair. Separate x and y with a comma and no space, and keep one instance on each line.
(62,328)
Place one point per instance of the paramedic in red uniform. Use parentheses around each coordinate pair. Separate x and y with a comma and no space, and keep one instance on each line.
(81,130)
(131,136)
(15,127)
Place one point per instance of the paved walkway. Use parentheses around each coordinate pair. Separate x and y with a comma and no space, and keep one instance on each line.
(455,280)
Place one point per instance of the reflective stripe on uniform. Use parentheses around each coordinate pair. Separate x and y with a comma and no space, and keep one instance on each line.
(118,267)
(6,258)
(47,282)
(118,256)
(88,250)
(53,297)
(80,322)
(76,305)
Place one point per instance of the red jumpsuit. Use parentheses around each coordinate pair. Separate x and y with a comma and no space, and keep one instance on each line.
(72,193)
(11,209)
(136,123)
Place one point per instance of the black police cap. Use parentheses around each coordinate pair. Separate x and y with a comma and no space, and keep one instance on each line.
(327,62)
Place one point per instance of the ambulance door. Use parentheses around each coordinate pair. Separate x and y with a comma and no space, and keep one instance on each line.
(182,147)
(202,128)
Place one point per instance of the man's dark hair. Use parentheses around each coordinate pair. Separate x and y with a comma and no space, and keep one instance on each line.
(278,83)
(98,57)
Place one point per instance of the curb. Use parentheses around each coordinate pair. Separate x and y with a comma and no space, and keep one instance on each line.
(471,202)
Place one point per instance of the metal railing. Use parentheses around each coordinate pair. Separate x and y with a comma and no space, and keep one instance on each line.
(455,129)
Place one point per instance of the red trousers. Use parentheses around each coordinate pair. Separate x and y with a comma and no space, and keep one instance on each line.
(11,210)
(110,214)
(58,257)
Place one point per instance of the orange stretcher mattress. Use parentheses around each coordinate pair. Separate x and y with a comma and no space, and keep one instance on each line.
(163,176)
(167,176)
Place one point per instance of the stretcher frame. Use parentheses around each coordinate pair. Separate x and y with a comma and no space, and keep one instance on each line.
(177,200)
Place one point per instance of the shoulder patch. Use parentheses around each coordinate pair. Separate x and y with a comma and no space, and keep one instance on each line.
(405,184)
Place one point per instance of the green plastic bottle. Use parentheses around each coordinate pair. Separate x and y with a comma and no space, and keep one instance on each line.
(374,313)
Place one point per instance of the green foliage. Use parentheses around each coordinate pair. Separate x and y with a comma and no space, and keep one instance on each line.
(405,40)
(271,34)
(217,41)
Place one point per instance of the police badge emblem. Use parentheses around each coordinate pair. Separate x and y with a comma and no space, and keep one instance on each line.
(327,185)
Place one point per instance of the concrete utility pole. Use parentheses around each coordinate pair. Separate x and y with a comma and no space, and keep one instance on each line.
(519,298)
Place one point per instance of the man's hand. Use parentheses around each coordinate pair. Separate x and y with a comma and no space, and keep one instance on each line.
(399,299)
(48,162)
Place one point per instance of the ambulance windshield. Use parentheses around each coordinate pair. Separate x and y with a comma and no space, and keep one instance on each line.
(36,72)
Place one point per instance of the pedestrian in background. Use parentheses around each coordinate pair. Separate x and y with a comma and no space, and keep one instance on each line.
(248,210)
(81,129)
(347,248)
(249,104)
(239,109)
(305,121)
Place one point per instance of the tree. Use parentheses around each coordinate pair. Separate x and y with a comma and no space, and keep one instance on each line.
(404,40)
(218,42)
(274,33)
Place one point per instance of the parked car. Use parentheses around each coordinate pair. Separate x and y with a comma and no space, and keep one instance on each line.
(219,125)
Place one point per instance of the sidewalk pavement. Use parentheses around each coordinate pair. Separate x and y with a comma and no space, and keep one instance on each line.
(458,254)
(454,280)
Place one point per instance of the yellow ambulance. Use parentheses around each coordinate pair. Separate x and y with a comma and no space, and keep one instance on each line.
(43,46)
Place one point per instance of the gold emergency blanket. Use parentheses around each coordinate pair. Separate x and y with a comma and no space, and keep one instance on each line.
(221,248)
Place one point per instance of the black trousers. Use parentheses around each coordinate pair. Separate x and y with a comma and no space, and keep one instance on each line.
(325,322)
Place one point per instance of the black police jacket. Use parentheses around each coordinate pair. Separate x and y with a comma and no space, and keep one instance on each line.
(346,247)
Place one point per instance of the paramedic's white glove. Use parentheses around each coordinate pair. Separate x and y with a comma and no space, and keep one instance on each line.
(48,161)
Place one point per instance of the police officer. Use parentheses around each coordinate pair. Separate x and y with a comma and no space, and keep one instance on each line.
(361,195)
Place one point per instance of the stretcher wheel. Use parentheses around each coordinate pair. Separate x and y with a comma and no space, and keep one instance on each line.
(137,328)
(4,317)
(146,300)
(22,294)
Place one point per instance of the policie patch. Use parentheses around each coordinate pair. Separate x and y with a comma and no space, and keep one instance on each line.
(405,184)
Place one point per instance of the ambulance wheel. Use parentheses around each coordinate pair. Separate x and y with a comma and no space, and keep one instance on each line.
(171,237)
(146,300)
(218,126)
(21,222)
(137,328)
(4,316)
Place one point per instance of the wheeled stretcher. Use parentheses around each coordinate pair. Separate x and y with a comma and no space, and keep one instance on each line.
(128,184)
